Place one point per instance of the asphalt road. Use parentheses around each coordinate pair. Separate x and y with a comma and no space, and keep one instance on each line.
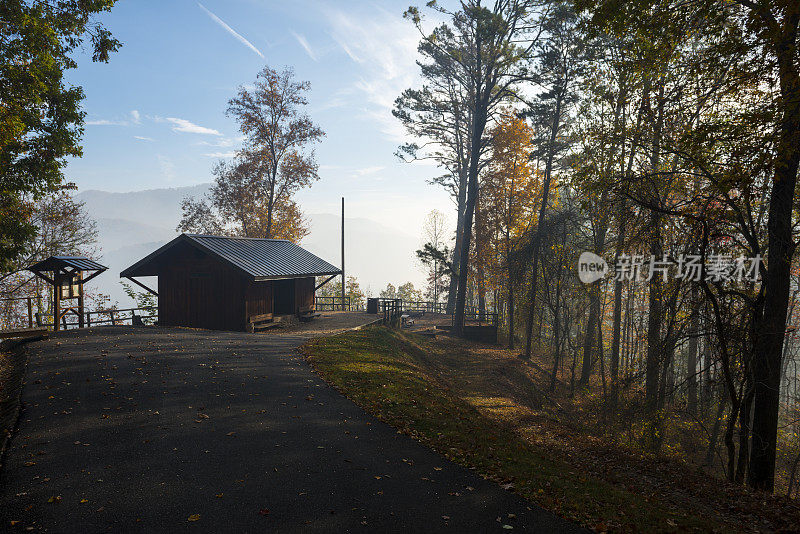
(147,429)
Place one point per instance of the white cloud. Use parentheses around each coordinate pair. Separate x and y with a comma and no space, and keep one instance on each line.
(368,170)
(385,46)
(304,43)
(220,154)
(104,122)
(143,138)
(182,125)
(223,142)
(343,45)
(135,117)
(231,31)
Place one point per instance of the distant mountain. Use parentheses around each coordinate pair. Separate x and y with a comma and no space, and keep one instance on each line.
(116,233)
(131,225)
(159,207)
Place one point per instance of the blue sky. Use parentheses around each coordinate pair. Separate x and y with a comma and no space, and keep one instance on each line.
(155,113)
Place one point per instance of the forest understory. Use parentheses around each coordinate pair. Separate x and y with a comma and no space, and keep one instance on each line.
(484,407)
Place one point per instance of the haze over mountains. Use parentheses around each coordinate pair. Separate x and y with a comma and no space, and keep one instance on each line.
(133,224)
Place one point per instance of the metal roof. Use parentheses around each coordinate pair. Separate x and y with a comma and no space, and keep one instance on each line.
(260,259)
(78,263)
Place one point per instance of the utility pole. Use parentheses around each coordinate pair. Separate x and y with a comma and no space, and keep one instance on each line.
(343,278)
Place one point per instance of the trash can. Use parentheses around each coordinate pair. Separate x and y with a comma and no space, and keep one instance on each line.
(372,305)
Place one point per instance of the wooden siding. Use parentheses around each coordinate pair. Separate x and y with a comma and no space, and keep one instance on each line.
(199,291)
(304,292)
(258,298)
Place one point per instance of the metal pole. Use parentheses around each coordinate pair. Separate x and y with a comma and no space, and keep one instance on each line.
(343,278)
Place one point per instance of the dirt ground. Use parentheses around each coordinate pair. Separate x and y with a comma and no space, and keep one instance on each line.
(427,323)
(328,322)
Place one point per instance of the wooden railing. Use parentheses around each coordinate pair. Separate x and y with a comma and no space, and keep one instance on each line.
(391,309)
(114,317)
(476,318)
(416,306)
(332,303)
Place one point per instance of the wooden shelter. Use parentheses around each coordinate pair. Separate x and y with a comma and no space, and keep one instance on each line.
(67,278)
(223,283)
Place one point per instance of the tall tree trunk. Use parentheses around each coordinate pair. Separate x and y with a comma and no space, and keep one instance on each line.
(548,170)
(769,345)
(510,305)
(590,337)
(478,125)
(655,297)
(745,418)
(480,260)
(601,357)
(616,328)
(270,206)
(557,316)
(691,365)
(509,265)
(714,438)
(461,201)
(556,336)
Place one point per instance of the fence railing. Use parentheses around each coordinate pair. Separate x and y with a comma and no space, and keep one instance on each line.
(476,318)
(114,317)
(391,309)
(426,306)
(416,306)
(332,303)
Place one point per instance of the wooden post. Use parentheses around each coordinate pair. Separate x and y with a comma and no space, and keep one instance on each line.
(56,302)
(343,277)
(113,318)
(30,312)
(80,300)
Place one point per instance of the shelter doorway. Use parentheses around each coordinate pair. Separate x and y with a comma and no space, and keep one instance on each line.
(284,298)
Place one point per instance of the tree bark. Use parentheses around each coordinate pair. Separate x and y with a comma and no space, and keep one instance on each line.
(589,338)
(655,308)
(460,206)
(479,118)
(769,345)
(537,237)
(691,365)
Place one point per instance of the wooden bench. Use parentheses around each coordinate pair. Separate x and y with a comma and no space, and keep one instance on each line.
(307,313)
(264,321)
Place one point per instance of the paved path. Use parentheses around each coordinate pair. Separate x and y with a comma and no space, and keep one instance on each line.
(128,429)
